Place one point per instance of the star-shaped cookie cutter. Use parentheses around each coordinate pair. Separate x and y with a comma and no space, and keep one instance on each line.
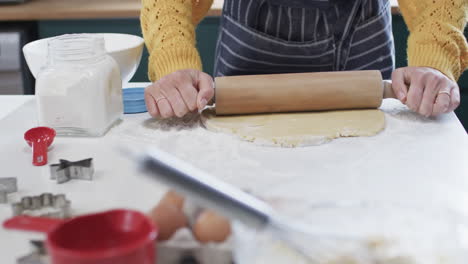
(37,256)
(68,170)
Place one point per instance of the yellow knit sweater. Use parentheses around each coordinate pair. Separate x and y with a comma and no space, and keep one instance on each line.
(436,34)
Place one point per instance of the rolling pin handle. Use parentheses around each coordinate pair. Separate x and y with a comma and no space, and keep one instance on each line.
(206,190)
(388,90)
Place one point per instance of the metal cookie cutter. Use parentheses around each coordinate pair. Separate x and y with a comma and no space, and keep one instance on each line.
(7,185)
(67,170)
(46,205)
(37,256)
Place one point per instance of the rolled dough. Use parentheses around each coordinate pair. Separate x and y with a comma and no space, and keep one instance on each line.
(297,129)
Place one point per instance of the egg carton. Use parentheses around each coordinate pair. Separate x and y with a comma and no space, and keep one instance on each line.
(183,247)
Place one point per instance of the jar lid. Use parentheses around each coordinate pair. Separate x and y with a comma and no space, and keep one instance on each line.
(134,100)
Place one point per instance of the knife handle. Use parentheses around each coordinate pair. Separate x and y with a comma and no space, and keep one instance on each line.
(205,189)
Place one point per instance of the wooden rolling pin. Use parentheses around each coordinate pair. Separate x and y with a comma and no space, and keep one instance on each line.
(300,92)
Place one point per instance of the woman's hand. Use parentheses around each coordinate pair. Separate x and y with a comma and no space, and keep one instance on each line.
(426,90)
(179,93)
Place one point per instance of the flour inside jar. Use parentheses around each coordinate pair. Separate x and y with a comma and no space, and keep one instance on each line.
(79,92)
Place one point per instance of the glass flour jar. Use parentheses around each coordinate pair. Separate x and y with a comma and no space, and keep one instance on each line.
(79,91)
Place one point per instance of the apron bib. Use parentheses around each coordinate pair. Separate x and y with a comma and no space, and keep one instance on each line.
(289,36)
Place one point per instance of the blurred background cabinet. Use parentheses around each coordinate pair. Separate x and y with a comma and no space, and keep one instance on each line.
(15,77)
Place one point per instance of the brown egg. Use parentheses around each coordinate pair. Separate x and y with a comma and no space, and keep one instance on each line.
(168,220)
(211,227)
(173,198)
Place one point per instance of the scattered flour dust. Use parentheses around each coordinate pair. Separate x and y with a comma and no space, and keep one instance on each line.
(266,171)
(372,251)
(255,164)
(347,233)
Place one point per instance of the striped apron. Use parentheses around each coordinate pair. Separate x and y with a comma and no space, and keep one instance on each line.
(287,36)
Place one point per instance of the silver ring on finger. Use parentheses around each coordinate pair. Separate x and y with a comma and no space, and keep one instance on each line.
(444,92)
(161,98)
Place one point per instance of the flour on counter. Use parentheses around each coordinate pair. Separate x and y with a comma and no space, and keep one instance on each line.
(270,250)
(312,174)
(345,237)
(271,170)
(394,108)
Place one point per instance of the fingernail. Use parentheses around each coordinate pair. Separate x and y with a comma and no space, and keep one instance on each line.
(203,103)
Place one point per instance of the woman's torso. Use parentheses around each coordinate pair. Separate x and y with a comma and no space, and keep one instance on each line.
(284,36)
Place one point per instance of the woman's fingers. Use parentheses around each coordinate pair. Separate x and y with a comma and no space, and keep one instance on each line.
(189,95)
(415,95)
(175,100)
(432,86)
(442,103)
(163,102)
(454,98)
(430,92)
(205,90)
(151,103)
(164,107)
(183,81)
(179,93)
(399,85)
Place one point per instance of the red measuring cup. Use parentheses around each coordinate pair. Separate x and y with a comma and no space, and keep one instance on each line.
(112,237)
(39,138)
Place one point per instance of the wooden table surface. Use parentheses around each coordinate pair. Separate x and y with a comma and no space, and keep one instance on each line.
(86,9)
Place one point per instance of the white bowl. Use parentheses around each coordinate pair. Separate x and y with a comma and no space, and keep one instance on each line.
(125,49)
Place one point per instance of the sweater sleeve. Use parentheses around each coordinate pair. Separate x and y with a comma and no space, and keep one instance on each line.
(436,34)
(168,28)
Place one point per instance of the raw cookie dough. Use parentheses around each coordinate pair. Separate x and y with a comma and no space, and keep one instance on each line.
(297,129)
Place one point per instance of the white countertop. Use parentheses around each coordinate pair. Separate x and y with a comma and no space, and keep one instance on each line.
(414,159)
(9,103)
